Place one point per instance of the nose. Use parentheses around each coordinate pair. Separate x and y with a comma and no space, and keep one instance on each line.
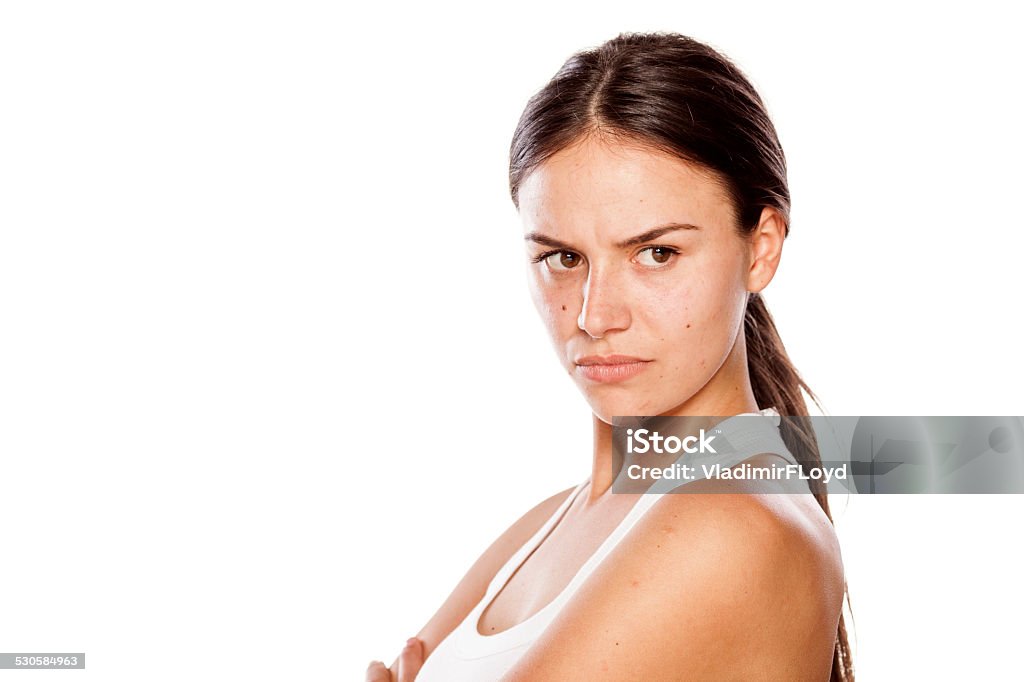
(604,309)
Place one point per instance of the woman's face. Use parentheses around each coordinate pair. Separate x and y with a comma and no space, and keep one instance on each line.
(635,253)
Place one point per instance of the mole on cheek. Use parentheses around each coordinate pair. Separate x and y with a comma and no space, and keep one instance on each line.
(687,326)
(563,308)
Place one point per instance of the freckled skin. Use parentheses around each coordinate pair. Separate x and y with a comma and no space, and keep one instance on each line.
(684,312)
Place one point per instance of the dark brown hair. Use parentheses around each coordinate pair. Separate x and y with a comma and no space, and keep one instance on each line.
(675,94)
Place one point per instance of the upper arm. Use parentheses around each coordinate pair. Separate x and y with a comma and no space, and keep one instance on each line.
(471,589)
(708,587)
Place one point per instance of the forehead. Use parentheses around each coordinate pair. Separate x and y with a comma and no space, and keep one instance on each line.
(615,187)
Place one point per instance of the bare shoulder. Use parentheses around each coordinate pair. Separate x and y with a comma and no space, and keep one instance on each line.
(786,537)
(767,572)
(728,585)
(473,585)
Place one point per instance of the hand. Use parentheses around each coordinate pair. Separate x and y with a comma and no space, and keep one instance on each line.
(408,665)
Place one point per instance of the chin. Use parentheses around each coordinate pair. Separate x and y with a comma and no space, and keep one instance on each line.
(605,409)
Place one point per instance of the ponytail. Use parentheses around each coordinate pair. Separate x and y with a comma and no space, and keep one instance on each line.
(777,384)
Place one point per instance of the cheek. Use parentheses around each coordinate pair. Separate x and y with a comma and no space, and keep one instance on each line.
(692,318)
(556,304)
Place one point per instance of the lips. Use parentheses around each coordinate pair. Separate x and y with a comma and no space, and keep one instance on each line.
(606,369)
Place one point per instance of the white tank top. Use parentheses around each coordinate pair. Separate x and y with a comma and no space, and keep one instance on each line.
(467,656)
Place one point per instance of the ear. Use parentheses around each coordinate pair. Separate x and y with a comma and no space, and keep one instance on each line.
(765,249)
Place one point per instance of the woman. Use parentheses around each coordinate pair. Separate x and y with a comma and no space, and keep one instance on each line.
(652,189)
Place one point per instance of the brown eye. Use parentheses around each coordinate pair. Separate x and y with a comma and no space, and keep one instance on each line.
(658,256)
(561,261)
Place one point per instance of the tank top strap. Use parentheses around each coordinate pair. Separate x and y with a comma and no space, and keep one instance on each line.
(635,513)
(747,434)
(752,436)
(506,571)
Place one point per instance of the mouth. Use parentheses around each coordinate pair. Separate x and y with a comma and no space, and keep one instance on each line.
(610,368)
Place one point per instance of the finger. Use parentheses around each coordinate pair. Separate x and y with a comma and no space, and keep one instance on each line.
(410,660)
(377,672)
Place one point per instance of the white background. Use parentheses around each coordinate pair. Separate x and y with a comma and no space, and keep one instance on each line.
(270,378)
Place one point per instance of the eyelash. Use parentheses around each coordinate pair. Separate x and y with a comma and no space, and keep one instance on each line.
(547,254)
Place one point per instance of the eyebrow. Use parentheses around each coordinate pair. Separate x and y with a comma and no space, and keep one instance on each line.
(647,236)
